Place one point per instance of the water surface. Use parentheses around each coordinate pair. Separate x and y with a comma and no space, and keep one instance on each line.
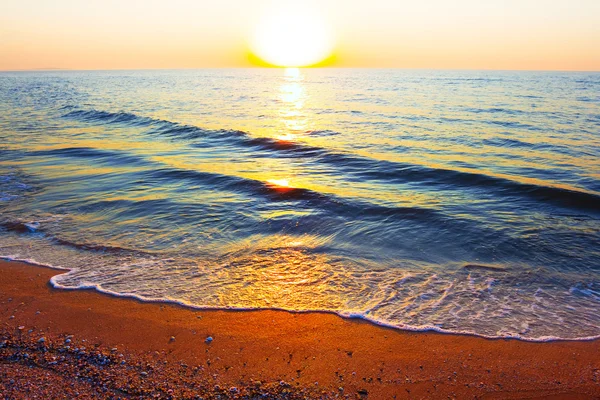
(464,202)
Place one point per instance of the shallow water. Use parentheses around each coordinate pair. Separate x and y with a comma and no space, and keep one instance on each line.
(464,202)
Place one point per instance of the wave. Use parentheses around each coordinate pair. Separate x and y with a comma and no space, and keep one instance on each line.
(495,110)
(516,143)
(321,201)
(55,281)
(328,204)
(367,214)
(21,227)
(323,132)
(110,117)
(113,157)
(234,184)
(355,166)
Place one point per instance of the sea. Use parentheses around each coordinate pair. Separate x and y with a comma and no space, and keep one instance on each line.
(463,202)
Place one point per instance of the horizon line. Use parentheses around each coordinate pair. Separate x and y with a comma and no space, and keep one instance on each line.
(55,69)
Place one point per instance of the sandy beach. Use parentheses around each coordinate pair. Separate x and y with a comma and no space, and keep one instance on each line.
(60,343)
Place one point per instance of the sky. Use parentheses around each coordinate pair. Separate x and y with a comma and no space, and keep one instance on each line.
(430,34)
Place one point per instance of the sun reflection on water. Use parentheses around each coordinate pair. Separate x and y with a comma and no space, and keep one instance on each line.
(292,95)
(287,137)
(292,72)
(279,183)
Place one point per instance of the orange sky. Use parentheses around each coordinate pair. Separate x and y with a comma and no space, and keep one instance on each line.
(436,34)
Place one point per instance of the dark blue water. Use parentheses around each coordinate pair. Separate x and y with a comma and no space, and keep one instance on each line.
(464,202)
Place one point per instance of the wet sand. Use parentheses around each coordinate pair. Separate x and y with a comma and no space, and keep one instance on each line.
(63,343)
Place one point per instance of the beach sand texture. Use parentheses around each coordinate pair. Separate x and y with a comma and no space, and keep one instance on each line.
(124,348)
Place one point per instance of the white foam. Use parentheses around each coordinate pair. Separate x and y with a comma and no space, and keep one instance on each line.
(54,281)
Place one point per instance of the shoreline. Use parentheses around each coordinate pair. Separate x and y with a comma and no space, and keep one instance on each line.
(133,297)
(292,354)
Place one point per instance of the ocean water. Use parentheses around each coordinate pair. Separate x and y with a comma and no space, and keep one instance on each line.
(462,202)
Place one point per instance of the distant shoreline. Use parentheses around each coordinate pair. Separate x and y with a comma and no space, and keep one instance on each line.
(271,352)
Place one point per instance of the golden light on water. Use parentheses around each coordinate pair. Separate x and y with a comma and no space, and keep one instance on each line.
(292,36)
(280,183)
(292,96)
(287,137)
(292,93)
(292,73)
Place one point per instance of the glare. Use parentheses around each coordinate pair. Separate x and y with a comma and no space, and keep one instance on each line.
(292,36)
(287,137)
(292,93)
(292,73)
(284,183)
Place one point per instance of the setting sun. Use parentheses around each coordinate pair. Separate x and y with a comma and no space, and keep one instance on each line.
(293,36)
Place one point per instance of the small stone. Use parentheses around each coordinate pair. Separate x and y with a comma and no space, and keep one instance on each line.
(209,340)
(11,317)
(172,339)
(21,327)
(42,340)
(144,374)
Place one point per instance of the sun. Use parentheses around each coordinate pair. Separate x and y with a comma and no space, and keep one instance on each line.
(292,36)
